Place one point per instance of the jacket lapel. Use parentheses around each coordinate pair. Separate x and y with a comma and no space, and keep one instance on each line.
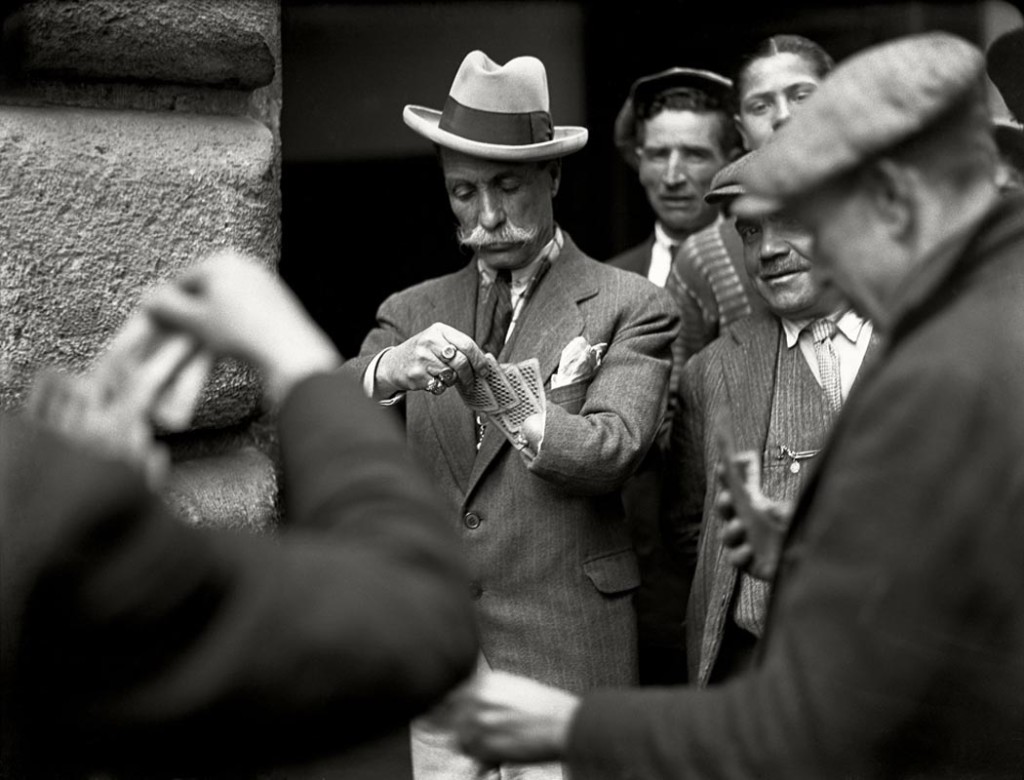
(749,378)
(545,326)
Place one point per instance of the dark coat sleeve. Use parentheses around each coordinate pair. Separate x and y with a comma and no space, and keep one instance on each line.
(140,644)
(896,637)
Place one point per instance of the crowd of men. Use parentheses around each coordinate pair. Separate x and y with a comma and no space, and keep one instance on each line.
(762,517)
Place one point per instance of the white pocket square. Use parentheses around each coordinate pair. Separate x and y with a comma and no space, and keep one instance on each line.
(579,361)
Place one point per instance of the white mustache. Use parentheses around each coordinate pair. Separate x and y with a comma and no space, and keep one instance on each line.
(480,238)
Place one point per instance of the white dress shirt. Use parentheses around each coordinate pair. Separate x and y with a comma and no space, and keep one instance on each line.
(661,256)
(850,342)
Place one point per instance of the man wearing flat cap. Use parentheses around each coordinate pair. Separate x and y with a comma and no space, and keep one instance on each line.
(676,131)
(895,637)
(552,568)
(777,379)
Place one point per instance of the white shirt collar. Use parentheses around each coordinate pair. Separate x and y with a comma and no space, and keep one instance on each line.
(849,323)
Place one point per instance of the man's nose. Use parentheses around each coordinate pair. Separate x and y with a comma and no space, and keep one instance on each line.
(773,244)
(492,212)
(675,169)
(782,114)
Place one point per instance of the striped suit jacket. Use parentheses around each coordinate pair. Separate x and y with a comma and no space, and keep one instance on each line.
(551,560)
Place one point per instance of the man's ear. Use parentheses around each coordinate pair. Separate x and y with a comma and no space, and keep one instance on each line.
(891,189)
(555,168)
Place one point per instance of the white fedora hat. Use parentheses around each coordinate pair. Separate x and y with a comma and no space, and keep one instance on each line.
(498,112)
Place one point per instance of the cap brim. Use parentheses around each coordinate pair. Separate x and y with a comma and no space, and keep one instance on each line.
(426,121)
(724,193)
(752,206)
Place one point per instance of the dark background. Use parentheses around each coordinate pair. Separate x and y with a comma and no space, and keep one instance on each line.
(364,211)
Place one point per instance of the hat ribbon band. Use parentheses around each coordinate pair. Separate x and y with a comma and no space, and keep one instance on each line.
(494,127)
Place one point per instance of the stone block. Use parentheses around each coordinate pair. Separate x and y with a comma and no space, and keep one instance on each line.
(223,43)
(235,490)
(96,206)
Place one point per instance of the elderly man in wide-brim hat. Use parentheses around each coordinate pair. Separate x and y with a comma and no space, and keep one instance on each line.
(553,572)
(895,638)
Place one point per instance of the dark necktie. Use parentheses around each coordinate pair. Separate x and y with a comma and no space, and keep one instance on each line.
(499,313)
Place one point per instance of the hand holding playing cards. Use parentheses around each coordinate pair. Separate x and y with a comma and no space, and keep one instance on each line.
(434,359)
(752,537)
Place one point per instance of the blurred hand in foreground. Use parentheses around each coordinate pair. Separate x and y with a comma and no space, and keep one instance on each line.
(233,306)
(753,538)
(504,717)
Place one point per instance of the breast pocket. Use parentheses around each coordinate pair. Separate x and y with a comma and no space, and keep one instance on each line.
(614,573)
(570,397)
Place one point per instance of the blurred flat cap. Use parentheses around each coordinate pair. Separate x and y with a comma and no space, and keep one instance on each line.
(646,89)
(730,181)
(1004,63)
(873,101)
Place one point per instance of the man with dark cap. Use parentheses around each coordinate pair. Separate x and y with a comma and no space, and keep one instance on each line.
(539,513)
(895,639)
(777,380)
(675,130)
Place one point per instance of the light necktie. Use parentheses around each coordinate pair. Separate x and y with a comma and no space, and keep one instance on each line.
(822,332)
(499,312)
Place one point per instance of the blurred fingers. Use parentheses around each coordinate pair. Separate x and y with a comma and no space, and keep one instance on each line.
(733,533)
(144,382)
(175,307)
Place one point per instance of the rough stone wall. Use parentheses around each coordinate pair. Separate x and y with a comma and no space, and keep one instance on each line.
(135,138)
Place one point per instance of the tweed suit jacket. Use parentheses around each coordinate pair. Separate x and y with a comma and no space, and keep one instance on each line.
(139,646)
(551,561)
(736,372)
(895,638)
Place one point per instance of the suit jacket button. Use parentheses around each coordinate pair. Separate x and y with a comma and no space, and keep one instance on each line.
(476,590)
(471,520)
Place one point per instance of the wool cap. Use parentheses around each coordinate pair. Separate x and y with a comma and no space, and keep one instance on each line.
(497,112)
(646,89)
(871,102)
(730,181)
